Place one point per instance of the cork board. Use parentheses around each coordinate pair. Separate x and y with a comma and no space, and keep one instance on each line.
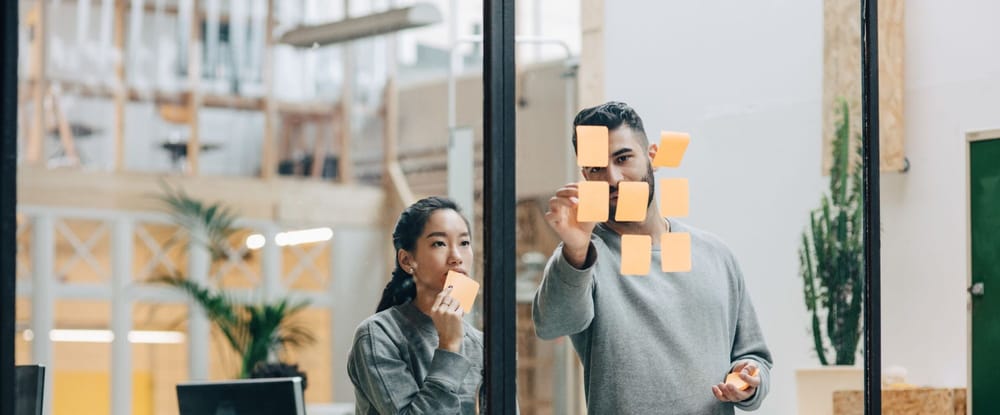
(842,76)
(924,401)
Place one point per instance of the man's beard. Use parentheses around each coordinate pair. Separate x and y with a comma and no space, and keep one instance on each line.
(648,178)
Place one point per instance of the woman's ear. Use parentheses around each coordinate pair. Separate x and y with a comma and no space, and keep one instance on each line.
(406,261)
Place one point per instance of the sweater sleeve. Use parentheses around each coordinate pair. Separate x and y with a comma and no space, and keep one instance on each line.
(564,302)
(382,377)
(749,344)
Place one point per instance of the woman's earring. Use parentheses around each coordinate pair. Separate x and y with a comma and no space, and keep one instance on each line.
(412,270)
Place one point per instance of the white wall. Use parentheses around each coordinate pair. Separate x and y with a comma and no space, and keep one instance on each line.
(746,83)
(952,84)
(745,79)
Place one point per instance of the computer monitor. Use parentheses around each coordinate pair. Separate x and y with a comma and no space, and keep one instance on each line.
(272,396)
(29,389)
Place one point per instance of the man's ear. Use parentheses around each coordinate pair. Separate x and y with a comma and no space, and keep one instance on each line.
(653,148)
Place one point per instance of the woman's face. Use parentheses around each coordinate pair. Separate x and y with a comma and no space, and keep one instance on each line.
(445,245)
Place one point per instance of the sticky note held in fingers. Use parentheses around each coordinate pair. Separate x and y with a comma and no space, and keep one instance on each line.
(592,146)
(735,380)
(637,251)
(675,198)
(675,252)
(671,150)
(593,205)
(464,289)
(633,199)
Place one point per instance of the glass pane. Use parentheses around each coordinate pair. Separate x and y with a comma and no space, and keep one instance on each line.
(205,170)
(739,113)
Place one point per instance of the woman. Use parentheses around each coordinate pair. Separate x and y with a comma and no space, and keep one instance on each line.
(416,355)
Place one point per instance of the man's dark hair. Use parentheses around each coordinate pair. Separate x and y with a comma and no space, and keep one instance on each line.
(612,115)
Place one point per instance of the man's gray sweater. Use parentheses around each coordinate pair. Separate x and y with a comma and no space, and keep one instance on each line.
(654,344)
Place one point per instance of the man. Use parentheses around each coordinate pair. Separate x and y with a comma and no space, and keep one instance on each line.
(660,343)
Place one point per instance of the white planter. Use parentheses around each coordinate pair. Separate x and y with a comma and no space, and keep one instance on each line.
(816,386)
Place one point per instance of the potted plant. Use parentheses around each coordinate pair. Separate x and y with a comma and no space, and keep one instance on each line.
(832,268)
(257,332)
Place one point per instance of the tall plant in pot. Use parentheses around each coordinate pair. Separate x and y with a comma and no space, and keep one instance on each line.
(832,256)
(258,332)
(832,269)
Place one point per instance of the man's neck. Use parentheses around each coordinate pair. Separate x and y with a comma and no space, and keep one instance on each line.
(654,225)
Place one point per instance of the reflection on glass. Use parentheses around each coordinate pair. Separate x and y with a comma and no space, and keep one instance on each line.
(757,92)
(219,202)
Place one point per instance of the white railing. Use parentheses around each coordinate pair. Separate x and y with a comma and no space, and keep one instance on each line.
(108,255)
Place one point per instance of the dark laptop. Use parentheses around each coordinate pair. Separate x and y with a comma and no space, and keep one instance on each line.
(272,396)
(29,389)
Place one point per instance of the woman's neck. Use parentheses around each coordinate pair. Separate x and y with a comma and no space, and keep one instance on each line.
(424,301)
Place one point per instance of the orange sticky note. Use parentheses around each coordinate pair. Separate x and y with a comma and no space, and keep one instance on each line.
(594,200)
(464,289)
(735,380)
(637,253)
(671,149)
(675,252)
(592,146)
(675,198)
(633,199)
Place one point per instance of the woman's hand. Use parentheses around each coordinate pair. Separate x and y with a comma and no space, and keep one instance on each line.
(447,316)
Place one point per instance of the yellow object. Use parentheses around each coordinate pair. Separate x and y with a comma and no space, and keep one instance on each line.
(674,198)
(735,380)
(637,253)
(594,201)
(178,114)
(675,252)
(464,289)
(592,146)
(82,393)
(633,199)
(671,149)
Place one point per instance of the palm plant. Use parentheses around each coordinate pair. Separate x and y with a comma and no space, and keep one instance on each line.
(832,255)
(210,225)
(258,333)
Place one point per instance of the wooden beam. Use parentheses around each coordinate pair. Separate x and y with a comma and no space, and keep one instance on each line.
(290,201)
(399,187)
(35,153)
(194,81)
(120,91)
(344,138)
(320,148)
(268,162)
(65,133)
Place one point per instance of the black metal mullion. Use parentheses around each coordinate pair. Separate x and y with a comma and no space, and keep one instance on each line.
(870,154)
(499,203)
(8,199)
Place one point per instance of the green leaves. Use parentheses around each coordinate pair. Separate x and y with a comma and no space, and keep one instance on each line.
(257,332)
(832,258)
(254,331)
(208,224)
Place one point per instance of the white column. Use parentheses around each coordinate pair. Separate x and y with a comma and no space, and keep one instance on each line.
(358,275)
(270,265)
(199,262)
(43,297)
(462,171)
(121,316)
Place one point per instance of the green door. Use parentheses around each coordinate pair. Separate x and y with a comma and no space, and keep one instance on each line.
(984,193)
